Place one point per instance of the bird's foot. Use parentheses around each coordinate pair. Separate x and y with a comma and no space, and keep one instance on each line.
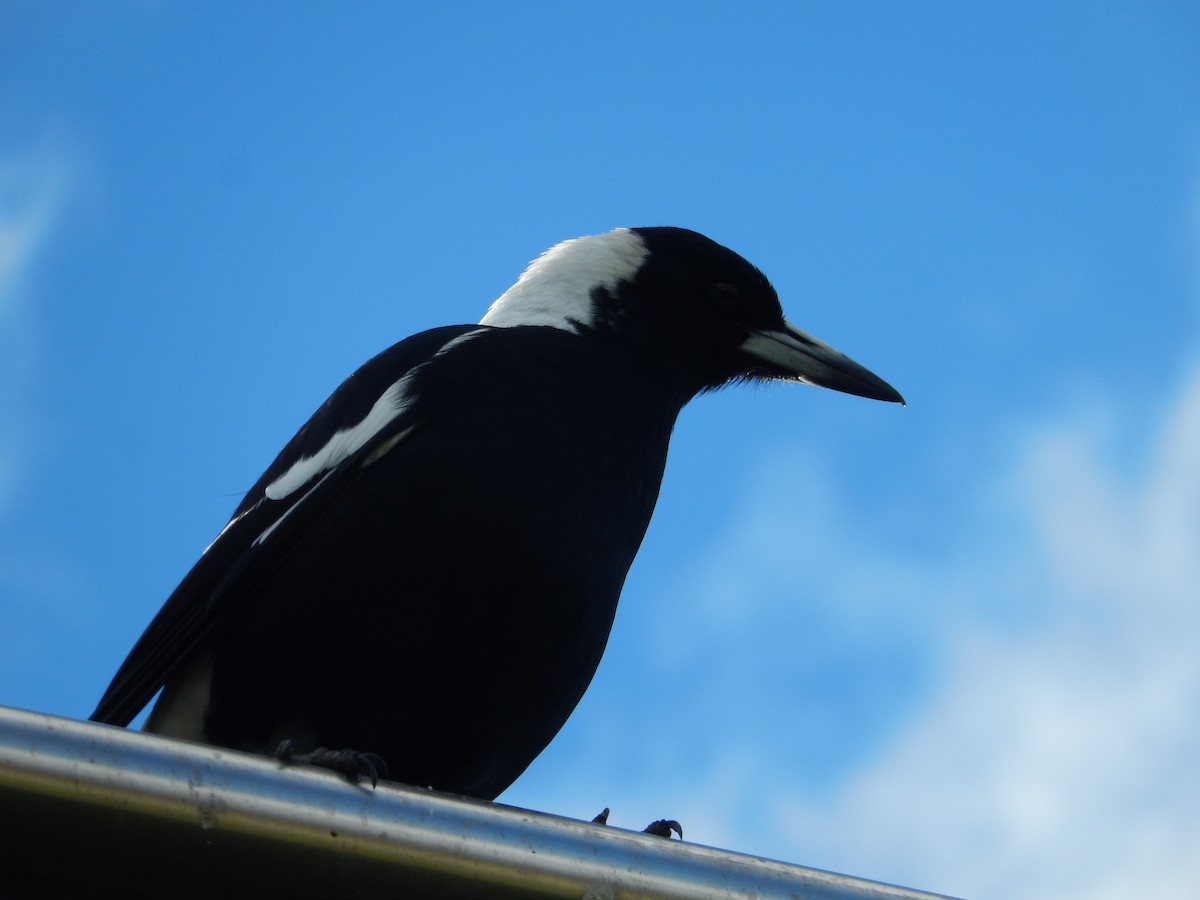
(350,764)
(663,828)
(658,828)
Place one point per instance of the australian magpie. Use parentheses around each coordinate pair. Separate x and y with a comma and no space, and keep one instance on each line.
(429,569)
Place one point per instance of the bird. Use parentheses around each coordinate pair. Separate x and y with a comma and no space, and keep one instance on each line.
(425,578)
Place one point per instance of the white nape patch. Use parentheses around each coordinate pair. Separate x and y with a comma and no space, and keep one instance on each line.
(556,288)
(345,443)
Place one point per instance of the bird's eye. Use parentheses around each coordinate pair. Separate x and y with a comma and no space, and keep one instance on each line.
(725,296)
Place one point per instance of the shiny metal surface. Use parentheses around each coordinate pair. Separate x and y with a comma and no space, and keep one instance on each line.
(92,808)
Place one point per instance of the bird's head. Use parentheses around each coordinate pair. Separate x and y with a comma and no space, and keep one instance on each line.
(673,293)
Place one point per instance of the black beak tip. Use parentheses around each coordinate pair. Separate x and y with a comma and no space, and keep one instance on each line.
(891,395)
(867,384)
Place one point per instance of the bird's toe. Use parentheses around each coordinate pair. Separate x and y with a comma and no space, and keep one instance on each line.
(352,764)
(664,828)
(658,828)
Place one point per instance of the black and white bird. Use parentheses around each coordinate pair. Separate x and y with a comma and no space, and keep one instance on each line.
(429,569)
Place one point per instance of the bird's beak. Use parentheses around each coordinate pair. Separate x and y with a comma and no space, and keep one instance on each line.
(791,353)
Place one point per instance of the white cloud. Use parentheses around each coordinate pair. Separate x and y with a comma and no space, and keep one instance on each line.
(33,187)
(1057,757)
(36,185)
(1064,761)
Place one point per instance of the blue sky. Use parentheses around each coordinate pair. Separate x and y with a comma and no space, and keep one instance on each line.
(951,645)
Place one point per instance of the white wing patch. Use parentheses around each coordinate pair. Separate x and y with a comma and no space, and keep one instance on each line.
(344,443)
(287,512)
(556,288)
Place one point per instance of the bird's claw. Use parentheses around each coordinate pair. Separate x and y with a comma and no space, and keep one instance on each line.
(658,828)
(663,828)
(351,764)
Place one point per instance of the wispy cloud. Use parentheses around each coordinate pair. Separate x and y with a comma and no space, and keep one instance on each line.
(36,184)
(877,717)
(1060,761)
(33,187)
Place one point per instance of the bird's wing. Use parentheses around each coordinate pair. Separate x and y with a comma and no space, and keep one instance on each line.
(365,417)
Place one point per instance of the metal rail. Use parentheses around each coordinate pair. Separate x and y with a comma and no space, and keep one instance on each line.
(93,810)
